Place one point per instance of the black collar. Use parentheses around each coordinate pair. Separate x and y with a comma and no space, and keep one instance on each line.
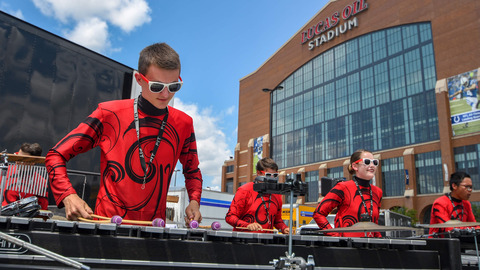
(453,198)
(362,182)
(148,108)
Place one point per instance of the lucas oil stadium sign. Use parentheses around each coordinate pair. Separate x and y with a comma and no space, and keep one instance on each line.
(332,27)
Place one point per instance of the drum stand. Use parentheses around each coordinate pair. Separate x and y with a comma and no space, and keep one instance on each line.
(296,187)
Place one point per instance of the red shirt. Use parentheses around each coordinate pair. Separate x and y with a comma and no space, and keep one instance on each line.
(345,197)
(443,210)
(247,207)
(112,128)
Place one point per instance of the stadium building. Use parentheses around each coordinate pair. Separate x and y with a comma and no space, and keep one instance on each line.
(399,78)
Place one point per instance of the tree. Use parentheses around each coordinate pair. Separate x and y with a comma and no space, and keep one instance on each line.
(412,213)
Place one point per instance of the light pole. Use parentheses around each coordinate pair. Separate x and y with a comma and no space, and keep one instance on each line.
(175,182)
(270,91)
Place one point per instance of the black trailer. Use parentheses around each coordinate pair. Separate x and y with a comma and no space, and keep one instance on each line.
(48,85)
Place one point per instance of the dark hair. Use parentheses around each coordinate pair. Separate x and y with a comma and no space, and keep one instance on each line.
(159,54)
(33,149)
(266,163)
(457,177)
(354,157)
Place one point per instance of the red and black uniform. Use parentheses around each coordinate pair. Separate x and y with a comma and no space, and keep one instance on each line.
(350,205)
(125,189)
(10,196)
(248,206)
(13,194)
(447,208)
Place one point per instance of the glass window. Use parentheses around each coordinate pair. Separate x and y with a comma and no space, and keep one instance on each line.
(328,62)
(311,178)
(340,60)
(336,172)
(229,185)
(394,40)
(318,70)
(393,177)
(341,98)
(375,91)
(379,45)
(352,55)
(428,171)
(298,78)
(467,160)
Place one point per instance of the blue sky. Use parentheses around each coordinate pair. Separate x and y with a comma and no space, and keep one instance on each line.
(219,42)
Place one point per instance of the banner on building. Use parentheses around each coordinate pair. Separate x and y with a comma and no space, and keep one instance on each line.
(257,152)
(463,96)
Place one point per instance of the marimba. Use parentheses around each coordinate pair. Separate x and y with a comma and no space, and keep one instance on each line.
(107,245)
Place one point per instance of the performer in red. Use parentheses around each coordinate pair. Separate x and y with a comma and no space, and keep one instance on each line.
(356,200)
(255,211)
(453,205)
(13,194)
(141,141)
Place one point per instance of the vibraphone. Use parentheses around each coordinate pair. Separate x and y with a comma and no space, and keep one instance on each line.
(105,245)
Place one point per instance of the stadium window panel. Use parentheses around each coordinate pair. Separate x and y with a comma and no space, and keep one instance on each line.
(308,109)
(341,97)
(307,76)
(340,60)
(393,177)
(311,178)
(319,104)
(377,88)
(329,69)
(318,70)
(354,96)
(379,46)
(428,170)
(298,107)
(298,81)
(335,172)
(365,49)
(410,36)
(394,41)
(352,55)
(329,105)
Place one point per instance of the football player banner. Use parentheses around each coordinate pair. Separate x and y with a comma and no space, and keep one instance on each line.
(257,152)
(463,96)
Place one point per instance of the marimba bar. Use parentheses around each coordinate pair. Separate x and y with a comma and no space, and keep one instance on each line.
(108,245)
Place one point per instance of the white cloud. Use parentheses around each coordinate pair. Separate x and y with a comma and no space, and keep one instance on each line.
(97,15)
(91,33)
(212,147)
(6,8)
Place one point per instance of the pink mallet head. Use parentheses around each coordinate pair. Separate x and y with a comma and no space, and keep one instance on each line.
(193,224)
(116,219)
(158,222)
(216,225)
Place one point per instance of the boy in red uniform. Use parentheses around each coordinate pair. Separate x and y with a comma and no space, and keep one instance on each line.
(356,200)
(453,205)
(256,212)
(141,141)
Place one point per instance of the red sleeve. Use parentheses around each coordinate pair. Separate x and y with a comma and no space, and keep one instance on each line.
(237,208)
(469,213)
(43,202)
(278,223)
(79,140)
(440,213)
(10,196)
(329,202)
(189,160)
